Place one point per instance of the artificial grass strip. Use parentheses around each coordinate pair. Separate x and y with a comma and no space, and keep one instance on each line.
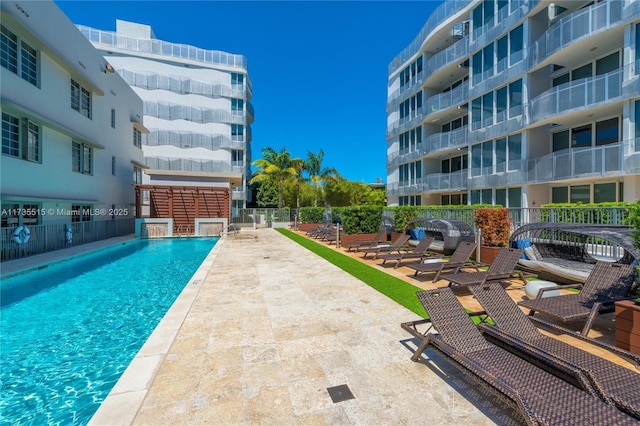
(394,288)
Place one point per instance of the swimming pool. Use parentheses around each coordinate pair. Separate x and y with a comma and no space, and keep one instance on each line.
(70,330)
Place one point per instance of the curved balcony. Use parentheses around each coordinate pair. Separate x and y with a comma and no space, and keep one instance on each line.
(182,86)
(582,23)
(490,129)
(508,178)
(107,39)
(608,160)
(451,56)
(191,140)
(506,19)
(443,12)
(405,123)
(250,113)
(408,89)
(444,101)
(438,142)
(192,165)
(585,93)
(455,181)
(167,111)
(509,72)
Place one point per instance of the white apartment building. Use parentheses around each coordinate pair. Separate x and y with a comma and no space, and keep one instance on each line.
(196,106)
(518,103)
(69,126)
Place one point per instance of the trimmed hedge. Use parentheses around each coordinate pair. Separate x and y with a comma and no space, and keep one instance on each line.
(404,214)
(596,213)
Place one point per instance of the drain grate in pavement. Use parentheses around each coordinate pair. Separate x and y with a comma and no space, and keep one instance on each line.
(340,393)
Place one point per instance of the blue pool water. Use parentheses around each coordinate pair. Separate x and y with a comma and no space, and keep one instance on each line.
(69,331)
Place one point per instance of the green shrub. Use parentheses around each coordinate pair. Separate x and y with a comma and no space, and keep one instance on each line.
(595,213)
(361,219)
(311,214)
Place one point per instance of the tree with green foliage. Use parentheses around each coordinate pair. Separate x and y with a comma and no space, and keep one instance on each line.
(275,167)
(317,173)
(267,194)
(300,166)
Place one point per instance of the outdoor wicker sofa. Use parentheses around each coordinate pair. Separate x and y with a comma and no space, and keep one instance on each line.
(516,332)
(565,252)
(539,396)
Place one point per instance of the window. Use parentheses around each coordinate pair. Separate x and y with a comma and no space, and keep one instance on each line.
(514,147)
(27,62)
(476,64)
(237,132)
(487,57)
(607,131)
(137,138)
(10,135)
(560,194)
(81,158)
(584,71)
(237,105)
(32,141)
(608,63)
(580,194)
(501,104)
(560,140)
(487,109)
(516,39)
(515,198)
(637,42)
(113,165)
(501,155)
(604,192)
(501,197)
(20,138)
(8,50)
(237,155)
(503,52)
(637,114)
(80,213)
(581,136)
(515,98)
(80,99)
(137,175)
(113,118)
(237,79)
(488,12)
(476,113)
(565,78)
(487,157)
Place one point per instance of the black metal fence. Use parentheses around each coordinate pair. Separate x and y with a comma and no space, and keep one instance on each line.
(46,238)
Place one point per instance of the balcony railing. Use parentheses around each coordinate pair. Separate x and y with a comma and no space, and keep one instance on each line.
(584,93)
(192,165)
(449,99)
(182,86)
(443,12)
(159,47)
(457,138)
(449,56)
(582,23)
(607,160)
(191,140)
(167,111)
(405,123)
(407,89)
(506,19)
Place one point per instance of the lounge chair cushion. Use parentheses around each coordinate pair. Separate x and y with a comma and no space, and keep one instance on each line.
(417,233)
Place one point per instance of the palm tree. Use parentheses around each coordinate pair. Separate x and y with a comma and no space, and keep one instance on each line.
(301,166)
(317,173)
(276,167)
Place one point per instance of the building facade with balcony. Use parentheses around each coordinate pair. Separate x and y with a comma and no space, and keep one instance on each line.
(518,103)
(69,148)
(196,106)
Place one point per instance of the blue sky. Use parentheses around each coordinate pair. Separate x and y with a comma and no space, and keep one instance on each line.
(319,69)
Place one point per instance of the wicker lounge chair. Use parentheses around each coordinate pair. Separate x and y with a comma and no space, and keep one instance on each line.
(606,284)
(502,268)
(367,243)
(420,251)
(459,258)
(395,246)
(539,396)
(514,329)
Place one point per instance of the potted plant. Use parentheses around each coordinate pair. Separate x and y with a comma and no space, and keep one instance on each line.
(495,227)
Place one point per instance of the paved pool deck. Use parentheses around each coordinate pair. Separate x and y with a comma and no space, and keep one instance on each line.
(265,330)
